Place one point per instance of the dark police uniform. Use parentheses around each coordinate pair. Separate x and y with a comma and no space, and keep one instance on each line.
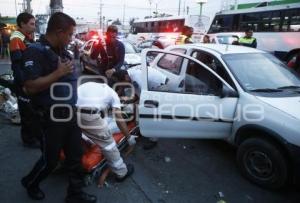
(18,43)
(116,55)
(40,59)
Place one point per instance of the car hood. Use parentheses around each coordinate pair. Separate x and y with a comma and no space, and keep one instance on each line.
(132,58)
(289,105)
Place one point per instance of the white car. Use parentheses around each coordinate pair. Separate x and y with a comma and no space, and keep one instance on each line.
(242,95)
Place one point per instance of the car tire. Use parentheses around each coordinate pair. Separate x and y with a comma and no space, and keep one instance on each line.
(263,163)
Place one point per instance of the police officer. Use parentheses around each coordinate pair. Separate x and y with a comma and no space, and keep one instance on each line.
(186,36)
(248,40)
(19,40)
(50,79)
(114,49)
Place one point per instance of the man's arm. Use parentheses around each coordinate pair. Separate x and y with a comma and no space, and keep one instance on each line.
(16,47)
(120,56)
(44,82)
(254,44)
(120,122)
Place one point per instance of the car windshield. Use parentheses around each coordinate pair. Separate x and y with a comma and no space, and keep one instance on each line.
(129,48)
(261,71)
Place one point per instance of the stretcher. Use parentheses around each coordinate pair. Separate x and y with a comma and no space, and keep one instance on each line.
(93,160)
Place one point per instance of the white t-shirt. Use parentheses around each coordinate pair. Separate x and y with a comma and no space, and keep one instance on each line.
(155,77)
(97,95)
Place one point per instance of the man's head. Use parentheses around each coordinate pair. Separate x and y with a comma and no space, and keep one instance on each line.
(112,33)
(61,26)
(249,32)
(187,31)
(120,76)
(26,23)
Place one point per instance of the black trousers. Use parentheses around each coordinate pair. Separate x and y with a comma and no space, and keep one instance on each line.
(29,123)
(57,136)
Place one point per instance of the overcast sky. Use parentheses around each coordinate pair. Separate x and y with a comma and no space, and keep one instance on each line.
(112,9)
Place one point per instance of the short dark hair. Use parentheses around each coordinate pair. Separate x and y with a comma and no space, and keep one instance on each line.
(120,75)
(24,18)
(60,21)
(249,29)
(186,29)
(112,28)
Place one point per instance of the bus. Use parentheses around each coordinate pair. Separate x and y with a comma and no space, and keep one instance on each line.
(167,29)
(276,27)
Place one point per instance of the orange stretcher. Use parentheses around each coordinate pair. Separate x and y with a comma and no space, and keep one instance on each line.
(93,160)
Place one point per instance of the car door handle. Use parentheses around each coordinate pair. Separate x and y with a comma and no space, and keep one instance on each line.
(151,104)
(181,84)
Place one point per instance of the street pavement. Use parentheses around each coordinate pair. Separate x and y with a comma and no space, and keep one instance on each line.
(177,170)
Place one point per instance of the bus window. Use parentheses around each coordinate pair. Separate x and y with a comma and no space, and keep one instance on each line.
(291,20)
(250,20)
(275,22)
(222,24)
(265,21)
(295,21)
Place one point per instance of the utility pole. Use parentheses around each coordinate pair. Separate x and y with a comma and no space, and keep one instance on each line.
(16,7)
(28,6)
(56,6)
(150,2)
(24,5)
(124,7)
(179,4)
(100,13)
(184,7)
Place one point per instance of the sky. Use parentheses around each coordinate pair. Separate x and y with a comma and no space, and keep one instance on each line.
(113,9)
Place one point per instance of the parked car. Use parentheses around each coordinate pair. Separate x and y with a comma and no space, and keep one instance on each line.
(132,56)
(242,95)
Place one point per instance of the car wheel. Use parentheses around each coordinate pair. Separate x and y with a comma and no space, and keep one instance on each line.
(263,163)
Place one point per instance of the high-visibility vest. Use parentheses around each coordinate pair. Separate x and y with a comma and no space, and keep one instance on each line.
(246,41)
(17,34)
(181,39)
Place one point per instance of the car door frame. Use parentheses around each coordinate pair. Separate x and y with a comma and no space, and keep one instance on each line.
(149,128)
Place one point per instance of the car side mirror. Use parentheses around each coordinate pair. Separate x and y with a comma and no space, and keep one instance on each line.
(227,92)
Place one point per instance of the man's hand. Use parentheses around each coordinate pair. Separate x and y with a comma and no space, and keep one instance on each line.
(64,68)
(109,72)
(131,140)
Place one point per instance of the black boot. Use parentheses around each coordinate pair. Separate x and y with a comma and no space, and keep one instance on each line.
(34,192)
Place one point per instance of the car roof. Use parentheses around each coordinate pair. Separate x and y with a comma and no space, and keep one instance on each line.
(221,49)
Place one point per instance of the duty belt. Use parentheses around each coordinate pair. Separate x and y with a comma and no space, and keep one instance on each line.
(91,111)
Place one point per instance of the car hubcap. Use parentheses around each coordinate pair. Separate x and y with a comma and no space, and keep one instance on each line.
(259,165)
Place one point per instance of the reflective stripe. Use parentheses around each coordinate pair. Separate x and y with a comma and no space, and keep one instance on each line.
(17,34)
(181,39)
(244,40)
(110,146)
(118,164)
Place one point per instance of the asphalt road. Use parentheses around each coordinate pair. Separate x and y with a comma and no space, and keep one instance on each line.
(175,171)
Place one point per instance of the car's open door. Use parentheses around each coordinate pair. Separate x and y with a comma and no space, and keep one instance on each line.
(198,104)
